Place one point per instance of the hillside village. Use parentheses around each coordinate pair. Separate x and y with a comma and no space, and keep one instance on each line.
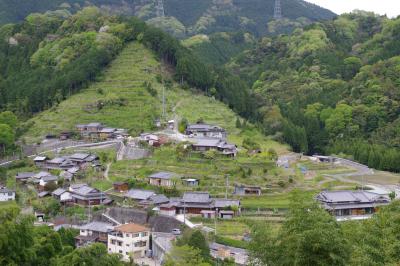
(154,209)
(126,149)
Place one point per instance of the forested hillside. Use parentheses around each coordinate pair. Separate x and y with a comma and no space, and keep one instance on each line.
(185,17)
(331,88)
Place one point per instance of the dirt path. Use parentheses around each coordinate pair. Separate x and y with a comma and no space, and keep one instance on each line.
(107,171)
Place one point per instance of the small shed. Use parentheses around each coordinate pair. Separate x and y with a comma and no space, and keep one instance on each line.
(190,182)
(121,186)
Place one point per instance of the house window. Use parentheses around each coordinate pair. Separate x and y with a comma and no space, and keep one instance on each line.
(113,241)
(120,243)
(128,235)
(120,251)
(144,234)
(135,235)
(109,249)
(127,253)
(141,244)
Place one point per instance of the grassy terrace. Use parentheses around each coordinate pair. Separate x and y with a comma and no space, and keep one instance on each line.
(127,104)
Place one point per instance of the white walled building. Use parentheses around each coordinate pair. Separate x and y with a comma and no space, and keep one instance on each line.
(6,194)
(129,240)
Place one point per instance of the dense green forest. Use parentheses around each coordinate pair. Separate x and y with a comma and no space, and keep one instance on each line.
(47,58)
(184,17)
(332,87)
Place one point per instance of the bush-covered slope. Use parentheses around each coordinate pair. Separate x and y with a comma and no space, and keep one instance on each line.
(332,87)
(120,98)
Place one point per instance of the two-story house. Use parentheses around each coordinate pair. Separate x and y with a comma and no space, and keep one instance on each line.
(130,240)
(93,232)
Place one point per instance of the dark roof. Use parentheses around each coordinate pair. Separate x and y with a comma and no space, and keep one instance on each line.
(162,175)
(159,199)
(196,197)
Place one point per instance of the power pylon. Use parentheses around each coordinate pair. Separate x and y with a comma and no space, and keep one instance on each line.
(278,10)
(160,8)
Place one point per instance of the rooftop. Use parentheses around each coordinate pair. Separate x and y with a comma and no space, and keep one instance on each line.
(204,127)
(79,156)
(139,194)
(5,190)
(162,175)
(98,227)
(348,196)
(131,228)
(196,197)
(58,191)
(25,175)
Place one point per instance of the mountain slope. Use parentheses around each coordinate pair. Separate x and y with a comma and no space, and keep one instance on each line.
(332,87)
(189,16)
(128,104)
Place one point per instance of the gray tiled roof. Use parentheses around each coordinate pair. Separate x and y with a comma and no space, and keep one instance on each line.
(204,127)
(139,194)
(58,191)
(49,178)
(344,196)
(94,124)
(76,186)
(79,156)
(222,203)
(97,227)
(42,174)
(158,199)
(196,197)
(207,142)
(57,160)
(25,175)
(85,190)
(162,175)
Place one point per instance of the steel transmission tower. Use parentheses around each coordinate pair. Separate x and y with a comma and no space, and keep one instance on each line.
(160,8)
(278,10)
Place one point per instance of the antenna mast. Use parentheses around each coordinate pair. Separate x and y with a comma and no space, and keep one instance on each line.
(278,10)
(160,8)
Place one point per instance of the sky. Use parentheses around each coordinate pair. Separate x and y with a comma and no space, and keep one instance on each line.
(388,7)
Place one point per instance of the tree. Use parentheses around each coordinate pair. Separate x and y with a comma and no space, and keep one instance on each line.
(185,255)
(95,254)
(9,118)
(309,236)
(7,137)
(198,241)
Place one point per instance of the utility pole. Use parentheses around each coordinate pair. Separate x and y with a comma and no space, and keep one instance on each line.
(226,187)
(278,10)
(160,8)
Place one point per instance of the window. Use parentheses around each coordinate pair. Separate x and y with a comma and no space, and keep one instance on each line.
(135,235)
(127,253)
(113,241)
(120,251)
(109,249)
(144,234)
(119,243)
(128,235)
(141,244)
